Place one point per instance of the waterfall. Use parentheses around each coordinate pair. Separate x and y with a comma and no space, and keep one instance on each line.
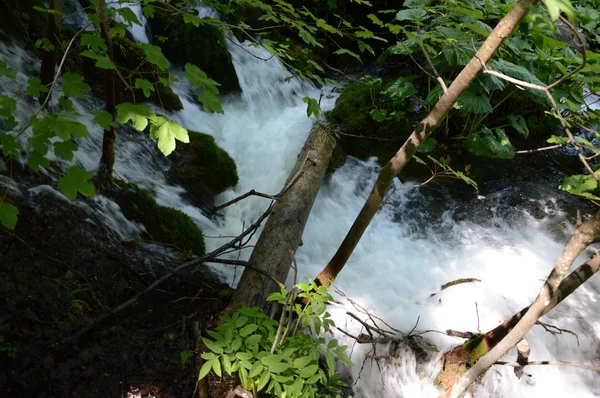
(416,243)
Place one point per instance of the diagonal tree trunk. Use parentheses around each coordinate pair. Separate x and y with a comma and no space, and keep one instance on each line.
(420,135)
(284,228)
(548,297)
(109,140)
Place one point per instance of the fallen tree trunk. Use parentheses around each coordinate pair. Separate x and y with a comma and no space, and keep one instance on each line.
(284,228)
(460,359)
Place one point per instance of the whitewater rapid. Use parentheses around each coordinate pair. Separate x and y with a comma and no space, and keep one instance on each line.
(413,246)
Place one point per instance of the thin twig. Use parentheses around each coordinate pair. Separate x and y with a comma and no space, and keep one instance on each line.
(561,363)
(75,337)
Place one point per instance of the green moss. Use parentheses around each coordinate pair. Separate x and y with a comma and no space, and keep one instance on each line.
(204,46)
(362,136)
(166,225)
(477,347)
(203,167)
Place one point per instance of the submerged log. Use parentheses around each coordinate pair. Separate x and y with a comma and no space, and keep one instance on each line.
(283,231)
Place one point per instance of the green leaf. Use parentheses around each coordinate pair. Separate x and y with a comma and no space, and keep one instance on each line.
(255,369)
(254,339)
(330,363)
(227,364)
(246,330)
(279,367)
(74,86)
(185,358)
(428,145)
(155,56)
(145,86)
(313,107)
(243,356)
(37,160)
(263,380)
(10,146)
(556,7)
(102,61)
(104,120)
(580,185)
(7,71)
(8,215)
(271,359)
(118,30)
(400,89)
(129,16)
(66,103)
(93,41)
(205,370)
(148,11)
(210,102)
(472,101)
(74,181)
(63,128)
(65,149)
(167,132)
(191,19)
(217,366)
(519,123)
(491,144)
(308,37)
(557,140)
(138,114)
(213,346)
(302,362)
(342,51)
(35,87)
(411,14)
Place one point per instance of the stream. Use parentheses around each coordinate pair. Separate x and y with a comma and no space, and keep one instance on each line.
(420,239)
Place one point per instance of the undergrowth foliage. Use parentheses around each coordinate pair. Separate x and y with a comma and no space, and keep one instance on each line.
(281,358)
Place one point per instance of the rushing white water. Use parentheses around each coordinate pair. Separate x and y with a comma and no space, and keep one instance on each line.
(138,32)
(411,248)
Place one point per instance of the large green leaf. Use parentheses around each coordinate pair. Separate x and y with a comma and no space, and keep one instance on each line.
(313,107)
(167,132)
(155,56)
(35,87)
(580,185)
(518,123)
(138,114)
(10,146)
(8,215)
(76,180)
(411,14)
(472,101)
(491,144)
(74,86)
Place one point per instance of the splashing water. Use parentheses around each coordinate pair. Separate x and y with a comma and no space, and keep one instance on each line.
(408,252)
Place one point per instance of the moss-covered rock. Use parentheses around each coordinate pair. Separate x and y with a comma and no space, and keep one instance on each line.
(361,135)
(203,46)
(164,224)
(204,168)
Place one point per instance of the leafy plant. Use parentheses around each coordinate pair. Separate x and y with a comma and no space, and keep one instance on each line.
(279,358)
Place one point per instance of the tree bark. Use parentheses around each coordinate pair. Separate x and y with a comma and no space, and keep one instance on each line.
(284,228)
(420,135)
(107,161)
(457,361)
(583,236)
(53,35)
